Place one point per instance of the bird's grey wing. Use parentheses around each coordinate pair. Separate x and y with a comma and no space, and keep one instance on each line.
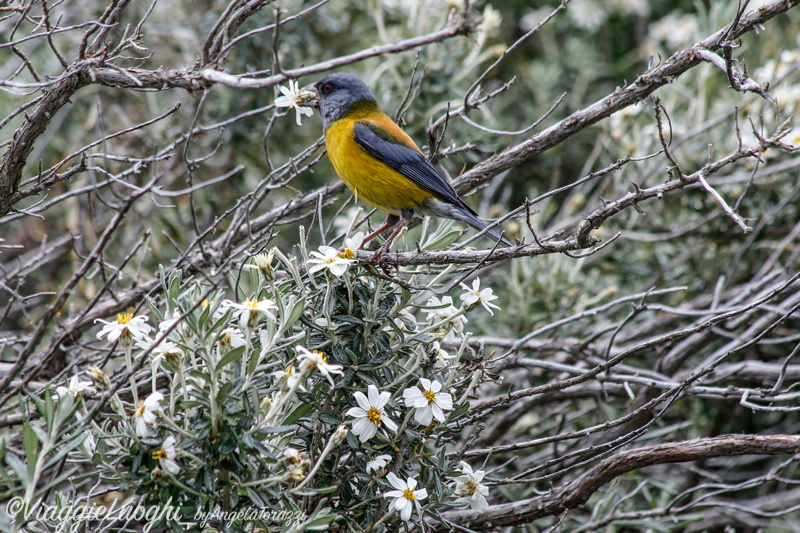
(407,161)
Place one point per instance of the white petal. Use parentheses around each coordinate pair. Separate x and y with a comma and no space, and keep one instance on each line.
(373,394)
(401,504)
(141,427)
(438,414)
(383,399)
(170,466)
(369,431)
(423,416)
(405,514)
(362,401)
(338,268)
(389,424)
(396,482)
(445,401)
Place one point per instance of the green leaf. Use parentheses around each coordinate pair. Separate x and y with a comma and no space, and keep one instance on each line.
(319,523)
(248,440)
(330,419)
(297,309)
(64,449)
(31,445)
(458,412)
(298,413)
(255,497)
(18,467)
(348,319)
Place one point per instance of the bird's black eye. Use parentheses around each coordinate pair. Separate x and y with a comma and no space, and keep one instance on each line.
(327,88)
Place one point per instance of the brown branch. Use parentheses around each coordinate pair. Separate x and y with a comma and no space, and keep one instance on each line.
(15,157)
(465,27)
(578,491)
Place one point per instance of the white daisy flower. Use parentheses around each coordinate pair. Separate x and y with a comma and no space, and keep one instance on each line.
(429,403)
(166,456)
(378,463)
(127,328)
(451,325)
(250,310)
(470,489)
(145,414)
(181,330)
(405,496)
(332,259)
(369,415)
(288,377)
(229,339)
(165,350)
(292,455)
(314,359)
(75,388)
(442,357)
(352,245)
(294,97)
(475,295)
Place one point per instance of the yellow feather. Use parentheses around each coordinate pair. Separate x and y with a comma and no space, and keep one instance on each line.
(372,180)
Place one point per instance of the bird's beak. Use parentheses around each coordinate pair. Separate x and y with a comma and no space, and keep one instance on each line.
(314,101)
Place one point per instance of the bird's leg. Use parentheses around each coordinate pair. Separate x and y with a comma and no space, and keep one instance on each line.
(391,220)
(377,257)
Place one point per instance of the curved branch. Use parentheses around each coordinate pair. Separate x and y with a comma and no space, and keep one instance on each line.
(578,491)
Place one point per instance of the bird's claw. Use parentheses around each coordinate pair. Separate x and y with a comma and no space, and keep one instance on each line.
(379,258)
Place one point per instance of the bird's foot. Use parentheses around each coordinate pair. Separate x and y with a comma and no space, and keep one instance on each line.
(379,257)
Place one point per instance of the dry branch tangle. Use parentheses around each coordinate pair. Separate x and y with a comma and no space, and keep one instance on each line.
(578,491)
(84,72)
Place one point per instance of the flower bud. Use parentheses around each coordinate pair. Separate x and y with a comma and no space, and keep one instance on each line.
(339,435)
(99,377)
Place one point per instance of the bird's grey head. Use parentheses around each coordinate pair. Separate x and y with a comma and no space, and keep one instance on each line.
(337,94)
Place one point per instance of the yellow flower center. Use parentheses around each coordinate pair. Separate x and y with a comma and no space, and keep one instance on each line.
(159,454)
(321,354)
(374,416)
(347,254)
(253,304)
(331,259)
(139,410)
(430,396)
(205,303)
(409,494)
(468,488)
(124,318)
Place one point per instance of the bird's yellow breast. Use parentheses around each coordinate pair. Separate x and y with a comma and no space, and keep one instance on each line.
(369,179)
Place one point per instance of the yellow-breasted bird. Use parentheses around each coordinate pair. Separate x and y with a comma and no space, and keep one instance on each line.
(380,163)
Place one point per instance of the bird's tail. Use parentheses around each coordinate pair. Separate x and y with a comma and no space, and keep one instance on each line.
(464,214)
(478,224)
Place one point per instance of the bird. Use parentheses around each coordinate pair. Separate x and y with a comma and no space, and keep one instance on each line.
(381,164)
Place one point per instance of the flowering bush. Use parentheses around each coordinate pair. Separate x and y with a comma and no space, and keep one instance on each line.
(314,390)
